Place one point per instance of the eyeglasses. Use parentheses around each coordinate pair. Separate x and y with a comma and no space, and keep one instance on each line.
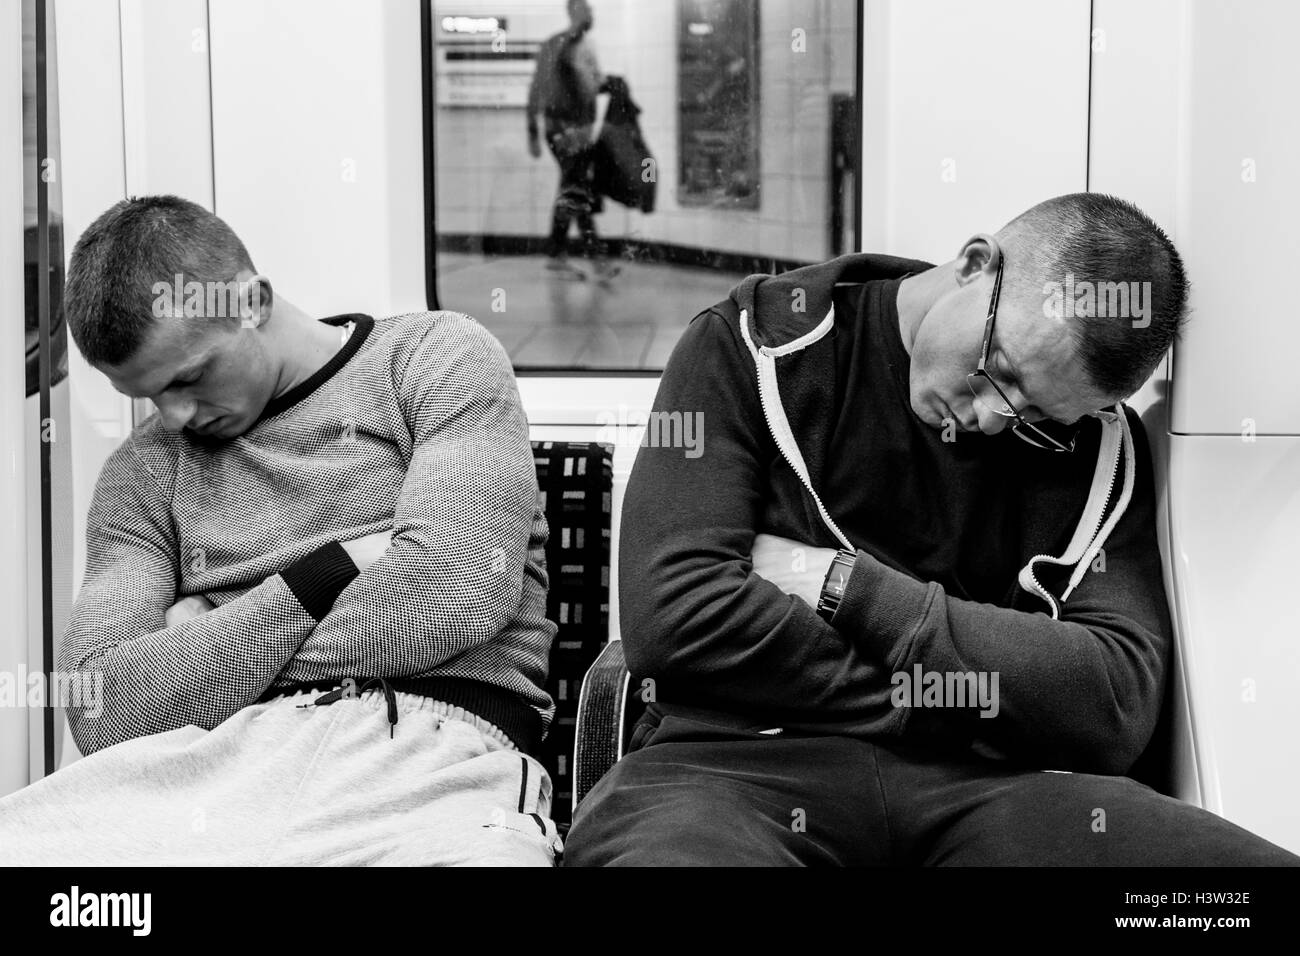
(986,390)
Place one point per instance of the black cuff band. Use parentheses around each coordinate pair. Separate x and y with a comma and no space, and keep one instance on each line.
(318,578)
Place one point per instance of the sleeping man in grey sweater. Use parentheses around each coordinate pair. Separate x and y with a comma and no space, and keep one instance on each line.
(315,588)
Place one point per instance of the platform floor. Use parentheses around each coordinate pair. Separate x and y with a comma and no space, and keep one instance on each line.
(631,321)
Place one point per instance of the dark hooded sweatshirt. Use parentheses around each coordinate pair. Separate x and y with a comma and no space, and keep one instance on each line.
(944,533)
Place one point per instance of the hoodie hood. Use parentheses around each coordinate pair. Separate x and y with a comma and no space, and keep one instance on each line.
(785,308)
(783,315)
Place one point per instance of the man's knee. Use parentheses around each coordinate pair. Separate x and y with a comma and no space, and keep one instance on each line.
(1088,819)
(637,816)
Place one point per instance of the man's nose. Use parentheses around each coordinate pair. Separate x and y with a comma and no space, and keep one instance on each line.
(176,412)
(989,422)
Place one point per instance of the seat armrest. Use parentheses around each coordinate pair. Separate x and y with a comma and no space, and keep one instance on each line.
(600,732)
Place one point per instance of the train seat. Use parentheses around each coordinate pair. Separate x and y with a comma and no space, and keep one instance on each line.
(575,480)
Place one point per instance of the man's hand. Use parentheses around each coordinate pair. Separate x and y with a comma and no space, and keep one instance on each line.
(794,567)
(573,140)
(367,550)
(534,145)
(186,609)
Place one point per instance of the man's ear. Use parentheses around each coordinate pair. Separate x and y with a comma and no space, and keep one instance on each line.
(979,254)
(256,299)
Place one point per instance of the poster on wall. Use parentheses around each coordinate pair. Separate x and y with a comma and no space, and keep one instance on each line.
(718,104)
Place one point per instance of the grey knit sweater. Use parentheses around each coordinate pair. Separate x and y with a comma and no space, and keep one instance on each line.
(414,426)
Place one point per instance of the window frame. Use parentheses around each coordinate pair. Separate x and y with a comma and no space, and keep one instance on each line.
(428,106)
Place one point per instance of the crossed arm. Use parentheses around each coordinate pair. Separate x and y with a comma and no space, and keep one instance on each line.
(447,581)
(364,551)
(713,612)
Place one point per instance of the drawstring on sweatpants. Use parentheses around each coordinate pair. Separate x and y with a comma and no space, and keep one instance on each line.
(339,693)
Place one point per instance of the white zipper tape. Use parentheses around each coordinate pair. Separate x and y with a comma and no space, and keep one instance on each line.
(769,394)
(1080,549)
(1125,495)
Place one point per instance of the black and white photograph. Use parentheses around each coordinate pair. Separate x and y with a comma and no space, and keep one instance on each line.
(650,434)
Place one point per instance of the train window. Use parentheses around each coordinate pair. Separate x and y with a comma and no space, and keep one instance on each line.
(599,171)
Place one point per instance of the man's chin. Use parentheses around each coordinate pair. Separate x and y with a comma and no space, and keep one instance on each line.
(930,413)
(226,428)
(950,415)
(937,414)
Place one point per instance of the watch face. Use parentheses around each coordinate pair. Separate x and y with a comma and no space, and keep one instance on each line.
(839,578)
(841,568)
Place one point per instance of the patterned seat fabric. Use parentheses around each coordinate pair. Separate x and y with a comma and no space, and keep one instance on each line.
(576,484)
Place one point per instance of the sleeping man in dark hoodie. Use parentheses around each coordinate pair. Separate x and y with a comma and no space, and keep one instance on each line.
(907,605)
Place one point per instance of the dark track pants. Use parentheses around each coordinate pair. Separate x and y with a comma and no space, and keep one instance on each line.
(696,792)
(576,198)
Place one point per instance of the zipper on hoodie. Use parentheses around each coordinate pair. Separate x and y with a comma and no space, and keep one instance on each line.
(767,417)
(1101,517)
(765,398)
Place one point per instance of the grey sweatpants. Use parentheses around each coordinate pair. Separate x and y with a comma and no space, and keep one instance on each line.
(277,784)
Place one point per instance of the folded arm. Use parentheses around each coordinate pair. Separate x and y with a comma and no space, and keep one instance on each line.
(158,677)
(696,618)
(453,576)
(1079,693)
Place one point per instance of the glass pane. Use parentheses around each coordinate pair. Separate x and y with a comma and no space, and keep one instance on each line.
(47,429)
(45,169)
(679,146)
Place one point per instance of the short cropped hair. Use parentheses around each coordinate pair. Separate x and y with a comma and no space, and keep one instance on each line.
(1099,243)
(139,242)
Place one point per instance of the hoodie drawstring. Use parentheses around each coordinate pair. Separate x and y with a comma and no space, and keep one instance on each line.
(339,693)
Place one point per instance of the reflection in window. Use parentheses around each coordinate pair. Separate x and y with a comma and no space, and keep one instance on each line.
(719,104)
(45,434)
(42,168)
(605,169)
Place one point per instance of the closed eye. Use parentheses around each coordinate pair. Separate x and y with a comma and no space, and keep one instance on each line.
(1012,386)
(184,382)
(1005,375)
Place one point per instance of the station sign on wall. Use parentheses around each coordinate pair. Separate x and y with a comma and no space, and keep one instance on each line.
(479,63)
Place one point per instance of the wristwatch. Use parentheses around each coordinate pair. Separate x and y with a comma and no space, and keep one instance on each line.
(837,579)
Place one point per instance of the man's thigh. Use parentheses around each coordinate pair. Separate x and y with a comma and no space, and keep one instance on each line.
(695,796)
(438,792)
(971,813)
(282,784)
